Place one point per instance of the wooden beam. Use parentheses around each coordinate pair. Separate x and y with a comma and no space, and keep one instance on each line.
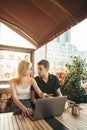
(19,31)
(16,49)
(32,56)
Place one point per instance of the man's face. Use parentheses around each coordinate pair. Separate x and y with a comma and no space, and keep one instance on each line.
(42,70)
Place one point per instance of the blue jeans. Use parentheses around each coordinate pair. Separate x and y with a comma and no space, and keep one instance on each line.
(25,102)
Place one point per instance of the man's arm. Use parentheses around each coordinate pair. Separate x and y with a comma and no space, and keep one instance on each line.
(57,87)
(67,104)
(32,95)
(58,92)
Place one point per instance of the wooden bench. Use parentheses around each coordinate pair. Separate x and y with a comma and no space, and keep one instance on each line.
(5,99)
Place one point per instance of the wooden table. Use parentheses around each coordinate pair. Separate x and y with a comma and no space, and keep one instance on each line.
(75,122)
(8,121)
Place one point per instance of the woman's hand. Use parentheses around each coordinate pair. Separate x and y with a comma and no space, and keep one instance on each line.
(43,95)
(49,95)
(26,111)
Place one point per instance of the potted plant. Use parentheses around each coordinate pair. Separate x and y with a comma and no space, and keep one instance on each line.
(74,80)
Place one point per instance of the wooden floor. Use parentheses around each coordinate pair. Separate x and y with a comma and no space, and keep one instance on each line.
(17,122)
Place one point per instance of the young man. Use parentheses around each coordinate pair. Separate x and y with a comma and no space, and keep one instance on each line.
(48,83)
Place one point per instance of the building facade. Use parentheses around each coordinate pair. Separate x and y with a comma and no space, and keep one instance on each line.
(59,52)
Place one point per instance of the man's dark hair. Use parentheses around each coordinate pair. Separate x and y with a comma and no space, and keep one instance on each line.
(45,63)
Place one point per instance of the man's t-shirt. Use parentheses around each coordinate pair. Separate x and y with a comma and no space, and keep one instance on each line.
(50,87)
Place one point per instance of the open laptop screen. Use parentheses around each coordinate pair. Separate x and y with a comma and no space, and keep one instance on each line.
(49,107)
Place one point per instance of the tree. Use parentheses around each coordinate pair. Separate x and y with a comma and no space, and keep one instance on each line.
(76,76)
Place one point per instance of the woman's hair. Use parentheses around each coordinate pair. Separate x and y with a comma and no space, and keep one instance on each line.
(23,66)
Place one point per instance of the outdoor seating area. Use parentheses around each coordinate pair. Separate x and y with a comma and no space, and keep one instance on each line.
(38,22)
(68,121)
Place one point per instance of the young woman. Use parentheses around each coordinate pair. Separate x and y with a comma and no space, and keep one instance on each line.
(20,89)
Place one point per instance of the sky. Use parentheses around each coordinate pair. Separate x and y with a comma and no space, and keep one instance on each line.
(79,35)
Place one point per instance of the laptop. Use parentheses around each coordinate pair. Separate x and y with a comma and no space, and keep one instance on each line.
(48,107)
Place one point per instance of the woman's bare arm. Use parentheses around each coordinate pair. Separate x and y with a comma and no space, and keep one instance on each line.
(32,95)
(37,89)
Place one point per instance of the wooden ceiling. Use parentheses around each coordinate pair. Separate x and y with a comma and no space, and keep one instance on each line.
(40,21)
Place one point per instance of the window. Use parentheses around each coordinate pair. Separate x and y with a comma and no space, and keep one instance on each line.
(9,62)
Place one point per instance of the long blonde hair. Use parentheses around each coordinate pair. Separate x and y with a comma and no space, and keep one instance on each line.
(23,66)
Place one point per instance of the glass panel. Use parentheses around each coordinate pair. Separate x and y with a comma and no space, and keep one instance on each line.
(9,62)
(59,51)
(11,38)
